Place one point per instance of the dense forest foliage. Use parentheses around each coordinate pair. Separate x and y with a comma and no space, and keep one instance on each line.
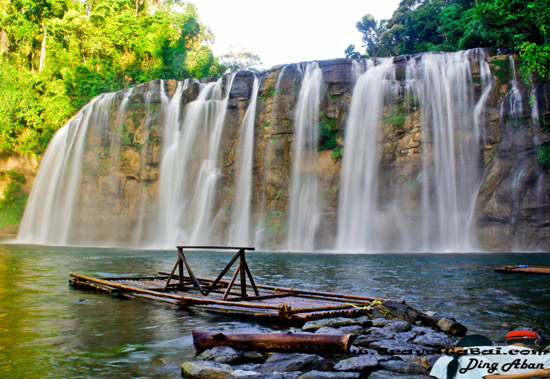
(521,26)
(56,55)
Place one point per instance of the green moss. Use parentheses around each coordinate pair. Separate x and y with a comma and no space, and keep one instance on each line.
(274,223)
(544,123)
(489,156)
(327,133)
(395,116)
(13,204)
(501,69)
(543,156)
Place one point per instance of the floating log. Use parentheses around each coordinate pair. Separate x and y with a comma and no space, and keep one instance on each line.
(524,269)
(281,342)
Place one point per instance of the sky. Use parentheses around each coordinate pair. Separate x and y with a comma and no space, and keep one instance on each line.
(289,31)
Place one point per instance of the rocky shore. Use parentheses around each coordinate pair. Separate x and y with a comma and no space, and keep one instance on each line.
(394,341)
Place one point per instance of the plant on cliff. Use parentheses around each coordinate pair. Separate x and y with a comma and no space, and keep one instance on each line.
(56,55)
(14,200)
(543,156)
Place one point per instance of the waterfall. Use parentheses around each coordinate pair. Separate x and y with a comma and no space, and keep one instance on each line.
(171,169)
(357,218)
(427,206)
(415,153)
(189,170)
(305,212)
(448,106)
(240,222)
(48,215)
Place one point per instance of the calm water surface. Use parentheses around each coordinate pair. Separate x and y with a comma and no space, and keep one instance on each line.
(48,329)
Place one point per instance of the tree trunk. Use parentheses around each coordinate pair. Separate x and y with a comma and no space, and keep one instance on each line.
(4,42)
(283,342)
(43,50)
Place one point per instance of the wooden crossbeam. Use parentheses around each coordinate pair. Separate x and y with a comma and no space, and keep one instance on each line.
(242,269)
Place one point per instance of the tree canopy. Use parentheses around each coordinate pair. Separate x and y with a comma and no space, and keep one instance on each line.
(520,26)
(56,55)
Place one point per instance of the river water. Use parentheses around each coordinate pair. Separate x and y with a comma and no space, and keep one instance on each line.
(48,329)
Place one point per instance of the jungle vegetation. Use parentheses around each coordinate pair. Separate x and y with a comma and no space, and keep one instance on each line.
(518,26)
(56,55)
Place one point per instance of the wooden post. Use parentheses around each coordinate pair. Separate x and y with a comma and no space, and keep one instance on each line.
(242,265)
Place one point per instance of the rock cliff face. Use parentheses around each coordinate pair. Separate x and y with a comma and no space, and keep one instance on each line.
(497,192)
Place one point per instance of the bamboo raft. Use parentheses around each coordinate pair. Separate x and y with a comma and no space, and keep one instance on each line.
(231,297)
(524,269)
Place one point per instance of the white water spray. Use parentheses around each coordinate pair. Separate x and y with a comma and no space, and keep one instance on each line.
(304,211)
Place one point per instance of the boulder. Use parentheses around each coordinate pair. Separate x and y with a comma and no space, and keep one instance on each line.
(329,330)
(206,370)
(351,329)
(325,374)
(312,326)
(283,362)
(384,374)
(360,363)
(396,347)
(221,354)
(393,309)
(398,326)
(374,334)
(403,367)
(449,325)
(433,339)
(380,322)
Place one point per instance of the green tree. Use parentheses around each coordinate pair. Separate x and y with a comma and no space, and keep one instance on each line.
(56,55)
(368,28)
(520,26)
(239,59)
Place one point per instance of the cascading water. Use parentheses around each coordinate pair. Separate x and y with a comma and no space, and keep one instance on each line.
(433,210)
(48,215)
(358,220)
(189,171)
(305,212)
(370,155)
(240,222)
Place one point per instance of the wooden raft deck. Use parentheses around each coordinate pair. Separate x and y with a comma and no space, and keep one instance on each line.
(524,269)
(231,297)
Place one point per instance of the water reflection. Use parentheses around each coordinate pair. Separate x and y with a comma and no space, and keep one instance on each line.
(48,329)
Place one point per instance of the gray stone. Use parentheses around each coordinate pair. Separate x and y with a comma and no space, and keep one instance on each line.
(360,363)
(329,330)
(405,336)
(398,326)
(337,322)
(449,325)
(352,329)
(275,375)
(394,309)
(404,367)
(375,334)
(242,84)
(244,373)
(253,356)
(394,347)
(383,374)
(206,370)
(433,339)
(380,321)
(325,374)
(221,354)
(283,362)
